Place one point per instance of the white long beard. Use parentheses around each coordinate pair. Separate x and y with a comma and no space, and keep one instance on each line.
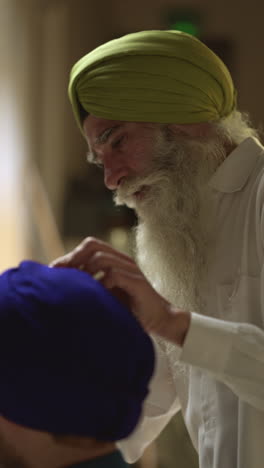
(175,218)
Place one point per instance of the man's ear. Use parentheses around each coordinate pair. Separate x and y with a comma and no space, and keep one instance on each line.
(196,130)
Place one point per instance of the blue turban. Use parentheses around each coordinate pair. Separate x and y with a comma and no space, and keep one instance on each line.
(73,360)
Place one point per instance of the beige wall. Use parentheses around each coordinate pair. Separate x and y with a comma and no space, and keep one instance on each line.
(16,143)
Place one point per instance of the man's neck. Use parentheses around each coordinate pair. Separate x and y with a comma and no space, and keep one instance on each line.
(63,455)
(111,460)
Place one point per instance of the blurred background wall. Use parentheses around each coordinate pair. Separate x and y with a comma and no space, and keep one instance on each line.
(49,198)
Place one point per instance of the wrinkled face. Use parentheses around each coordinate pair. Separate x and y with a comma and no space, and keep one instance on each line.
(123,149)
(135,156)
(162,171)
(137,159)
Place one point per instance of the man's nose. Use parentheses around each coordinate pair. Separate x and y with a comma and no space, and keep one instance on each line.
(114,172)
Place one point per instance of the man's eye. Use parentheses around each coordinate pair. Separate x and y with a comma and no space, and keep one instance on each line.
(116,143)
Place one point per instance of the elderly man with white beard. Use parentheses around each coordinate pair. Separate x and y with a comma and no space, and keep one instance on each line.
(158,111)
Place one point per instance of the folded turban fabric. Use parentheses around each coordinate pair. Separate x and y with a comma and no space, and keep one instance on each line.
(152,76)
(73,360)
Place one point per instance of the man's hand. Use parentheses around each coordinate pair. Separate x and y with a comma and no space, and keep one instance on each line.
(124,279)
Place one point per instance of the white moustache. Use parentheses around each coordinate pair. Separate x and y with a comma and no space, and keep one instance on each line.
(125,193)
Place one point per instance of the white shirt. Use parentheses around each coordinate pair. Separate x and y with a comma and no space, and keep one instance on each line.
(219,371)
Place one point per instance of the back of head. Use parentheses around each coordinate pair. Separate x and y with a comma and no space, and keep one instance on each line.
(73,360)
(152,76)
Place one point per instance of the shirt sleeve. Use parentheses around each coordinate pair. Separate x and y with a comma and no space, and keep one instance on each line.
(161,404)
(232,352)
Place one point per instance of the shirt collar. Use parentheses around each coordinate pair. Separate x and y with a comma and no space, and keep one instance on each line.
(234,172)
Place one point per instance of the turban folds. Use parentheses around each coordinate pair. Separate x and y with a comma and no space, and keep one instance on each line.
(73,360)
(152,76)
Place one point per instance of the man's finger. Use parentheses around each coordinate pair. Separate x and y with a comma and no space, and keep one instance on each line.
(83,252)
(102,261)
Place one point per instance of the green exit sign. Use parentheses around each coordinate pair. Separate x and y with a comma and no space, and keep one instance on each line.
(185,21)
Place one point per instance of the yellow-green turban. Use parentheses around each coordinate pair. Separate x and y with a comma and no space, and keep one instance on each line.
(152,76)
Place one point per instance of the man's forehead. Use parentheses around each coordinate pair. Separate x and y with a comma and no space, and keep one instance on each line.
(95,125)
